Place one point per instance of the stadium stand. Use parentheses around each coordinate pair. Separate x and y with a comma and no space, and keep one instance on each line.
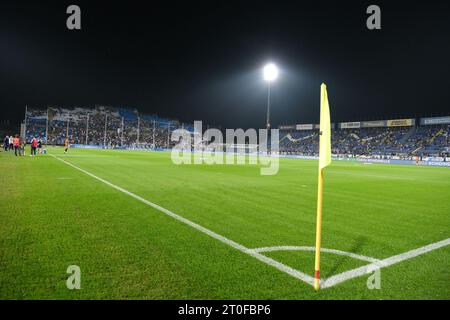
(398,141)
(124,128)
(100,126)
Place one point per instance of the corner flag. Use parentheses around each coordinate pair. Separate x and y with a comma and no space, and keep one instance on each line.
(325,129)
(324,160)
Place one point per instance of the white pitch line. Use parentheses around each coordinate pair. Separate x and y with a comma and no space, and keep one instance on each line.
(282,267)
(303,248)
(347,275)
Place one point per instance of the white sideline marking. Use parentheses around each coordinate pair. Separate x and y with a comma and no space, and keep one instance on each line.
(357,272)
(282,267)
(303,248)
(325,283)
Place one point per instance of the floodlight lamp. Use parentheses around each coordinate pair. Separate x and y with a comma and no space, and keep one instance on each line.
(270,72)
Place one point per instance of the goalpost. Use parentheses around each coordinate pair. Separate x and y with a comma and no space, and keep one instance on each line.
(235,148)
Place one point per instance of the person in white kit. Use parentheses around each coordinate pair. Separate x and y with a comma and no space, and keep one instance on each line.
(11,146)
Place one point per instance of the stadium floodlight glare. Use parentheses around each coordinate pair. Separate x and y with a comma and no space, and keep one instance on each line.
(270,72)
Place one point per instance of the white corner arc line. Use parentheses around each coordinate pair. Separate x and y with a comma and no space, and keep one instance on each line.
(357,272)
(305,248)
(282,267)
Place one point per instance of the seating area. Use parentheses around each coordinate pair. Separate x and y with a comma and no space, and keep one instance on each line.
(100,126)
(410,141)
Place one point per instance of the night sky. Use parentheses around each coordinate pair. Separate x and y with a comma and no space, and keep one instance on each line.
(195,60)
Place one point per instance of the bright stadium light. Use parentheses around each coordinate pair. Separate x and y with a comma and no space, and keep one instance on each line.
(270,72)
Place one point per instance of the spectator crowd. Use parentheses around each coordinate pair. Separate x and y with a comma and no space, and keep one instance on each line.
(102,126)
(384,141)
(125,128)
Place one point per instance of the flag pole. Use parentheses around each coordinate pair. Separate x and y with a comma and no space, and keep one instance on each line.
(324,160)
(318,229)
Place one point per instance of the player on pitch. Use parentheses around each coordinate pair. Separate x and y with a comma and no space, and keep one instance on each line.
(66,145)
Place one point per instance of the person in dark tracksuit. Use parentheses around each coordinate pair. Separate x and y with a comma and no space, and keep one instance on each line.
(23,144)
(6,143)
(39,146)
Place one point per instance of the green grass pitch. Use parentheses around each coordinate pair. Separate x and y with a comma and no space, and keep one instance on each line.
(53,216)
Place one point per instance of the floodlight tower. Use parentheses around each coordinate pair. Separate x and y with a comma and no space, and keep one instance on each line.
(270,73)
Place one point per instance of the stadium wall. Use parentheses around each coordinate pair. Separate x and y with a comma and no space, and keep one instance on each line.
(434,121)
(382,161)
(428,162)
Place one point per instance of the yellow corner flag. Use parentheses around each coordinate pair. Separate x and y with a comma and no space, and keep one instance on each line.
(324,160)
(325,129)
